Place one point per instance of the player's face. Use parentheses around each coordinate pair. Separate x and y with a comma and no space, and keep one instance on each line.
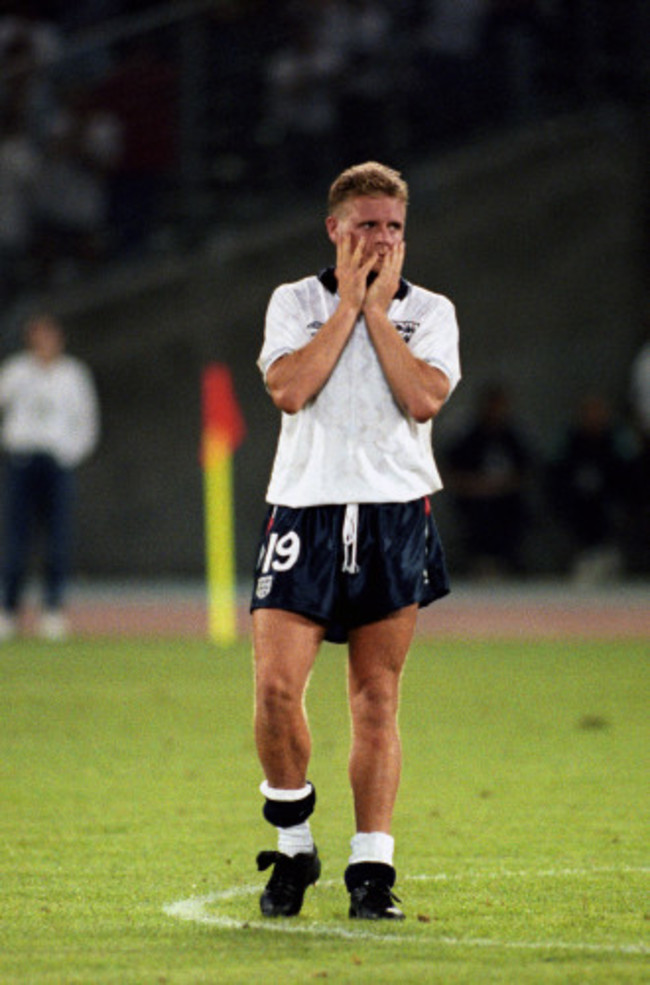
(377,221)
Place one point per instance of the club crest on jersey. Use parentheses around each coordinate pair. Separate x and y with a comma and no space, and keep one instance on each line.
(263,586)
(313,327)
(406,329)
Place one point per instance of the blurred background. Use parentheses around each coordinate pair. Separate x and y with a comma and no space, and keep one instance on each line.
(163,166)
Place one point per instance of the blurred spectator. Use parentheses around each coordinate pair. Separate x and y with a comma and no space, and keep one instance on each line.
(141,94)
(81,148)
(50,425)
(367,103)
(27,17)
(589,483)
(238,32)
(638,525)
(512,43)
(30,49)
(20,165)
(447,85)
(487,473)
(86,63)
(301,117)
(640,388)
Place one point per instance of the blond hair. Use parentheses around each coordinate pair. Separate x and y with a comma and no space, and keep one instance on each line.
(368,179)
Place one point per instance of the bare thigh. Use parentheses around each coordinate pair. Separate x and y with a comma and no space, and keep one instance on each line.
(378,652)
(285,645)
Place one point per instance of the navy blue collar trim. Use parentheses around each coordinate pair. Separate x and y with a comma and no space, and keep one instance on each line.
(327,277)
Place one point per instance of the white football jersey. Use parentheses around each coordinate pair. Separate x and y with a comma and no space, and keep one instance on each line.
(352,443)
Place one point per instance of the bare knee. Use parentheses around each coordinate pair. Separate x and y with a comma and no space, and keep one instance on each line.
(373,707)
(276,699)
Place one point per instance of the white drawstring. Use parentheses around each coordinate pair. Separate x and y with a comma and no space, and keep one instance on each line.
(350,528)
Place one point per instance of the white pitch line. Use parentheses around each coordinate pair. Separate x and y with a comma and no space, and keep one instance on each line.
(527,874)
(195,910)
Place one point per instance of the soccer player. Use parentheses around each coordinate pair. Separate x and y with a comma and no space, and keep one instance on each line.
(359,361)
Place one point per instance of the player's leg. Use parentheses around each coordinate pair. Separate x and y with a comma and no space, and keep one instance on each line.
(293,575)
(58,491)
(377,655)
(285,647)
(19,507)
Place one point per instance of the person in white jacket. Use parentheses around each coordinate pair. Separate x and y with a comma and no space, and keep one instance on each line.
(50,425)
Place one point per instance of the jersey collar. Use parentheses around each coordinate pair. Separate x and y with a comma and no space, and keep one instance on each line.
(327,277)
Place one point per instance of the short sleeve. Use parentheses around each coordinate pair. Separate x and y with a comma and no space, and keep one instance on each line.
(284,330)
(436,340)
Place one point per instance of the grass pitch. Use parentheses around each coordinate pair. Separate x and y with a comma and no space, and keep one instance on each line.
(130,819)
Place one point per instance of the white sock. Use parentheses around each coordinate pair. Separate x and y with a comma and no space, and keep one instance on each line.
(372,846)
(292,841)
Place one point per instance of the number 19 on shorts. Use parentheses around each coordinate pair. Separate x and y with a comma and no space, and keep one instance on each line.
(281,552)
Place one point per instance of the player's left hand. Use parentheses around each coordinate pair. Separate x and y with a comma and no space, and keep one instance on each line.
(384,287)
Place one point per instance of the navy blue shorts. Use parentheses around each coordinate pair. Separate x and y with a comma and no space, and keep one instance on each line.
(345,567)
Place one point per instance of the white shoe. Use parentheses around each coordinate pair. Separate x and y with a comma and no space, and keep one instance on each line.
(8,627)
(53,626)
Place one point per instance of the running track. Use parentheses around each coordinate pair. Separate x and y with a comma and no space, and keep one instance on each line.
(540,610)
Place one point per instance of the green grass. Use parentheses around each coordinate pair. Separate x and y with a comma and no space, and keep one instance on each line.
(128,782)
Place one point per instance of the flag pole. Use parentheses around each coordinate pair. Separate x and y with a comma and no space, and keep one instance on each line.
(223,431)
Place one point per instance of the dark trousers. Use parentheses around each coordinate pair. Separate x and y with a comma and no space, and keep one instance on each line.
(39,497)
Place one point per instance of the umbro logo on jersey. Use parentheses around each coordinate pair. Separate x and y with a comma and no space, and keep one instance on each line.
(406,329)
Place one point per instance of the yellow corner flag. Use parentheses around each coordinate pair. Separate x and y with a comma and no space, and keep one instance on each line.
(223,432)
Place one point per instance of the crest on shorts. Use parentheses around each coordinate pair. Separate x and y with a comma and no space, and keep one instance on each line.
(263,586)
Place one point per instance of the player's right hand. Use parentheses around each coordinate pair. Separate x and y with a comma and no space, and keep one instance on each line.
(351,270)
